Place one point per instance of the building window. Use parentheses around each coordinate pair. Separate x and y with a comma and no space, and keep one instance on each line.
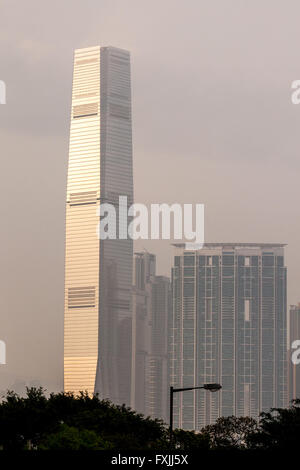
(247,309)
(208,309)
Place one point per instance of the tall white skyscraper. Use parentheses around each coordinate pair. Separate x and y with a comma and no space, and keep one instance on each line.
(98,273)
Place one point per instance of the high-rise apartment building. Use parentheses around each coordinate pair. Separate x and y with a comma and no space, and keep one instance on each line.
(228,327)
(293,368)
(98,273)
(151,314)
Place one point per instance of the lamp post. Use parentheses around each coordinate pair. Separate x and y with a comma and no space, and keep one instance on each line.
(209,387)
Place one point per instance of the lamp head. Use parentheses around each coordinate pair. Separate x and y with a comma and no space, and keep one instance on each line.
(212,387)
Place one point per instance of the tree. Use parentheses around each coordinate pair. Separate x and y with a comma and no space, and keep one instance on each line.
(35,421)
(23,421)
(83,422)
(279,428)
(70,438)
(231,432)
(190,441)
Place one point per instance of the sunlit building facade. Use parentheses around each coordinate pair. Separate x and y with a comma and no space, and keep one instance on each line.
(98,273)
(228,327)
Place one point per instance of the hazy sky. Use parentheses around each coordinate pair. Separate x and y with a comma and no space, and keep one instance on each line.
(213,123)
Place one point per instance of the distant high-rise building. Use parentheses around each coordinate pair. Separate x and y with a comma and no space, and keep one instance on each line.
(294,369)
(151,314)
(228,327)
(98,273)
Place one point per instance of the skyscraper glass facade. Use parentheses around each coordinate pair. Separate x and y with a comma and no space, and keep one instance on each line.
(294,336)
(229,327)
(151,315)
(98,273)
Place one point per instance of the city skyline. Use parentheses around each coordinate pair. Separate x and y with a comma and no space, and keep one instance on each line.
(213,124)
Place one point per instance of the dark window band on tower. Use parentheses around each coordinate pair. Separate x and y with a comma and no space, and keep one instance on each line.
(81,297)
(83,198)
(85,110)
(119,111)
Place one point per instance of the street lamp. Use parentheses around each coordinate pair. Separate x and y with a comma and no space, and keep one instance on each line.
(210,387)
